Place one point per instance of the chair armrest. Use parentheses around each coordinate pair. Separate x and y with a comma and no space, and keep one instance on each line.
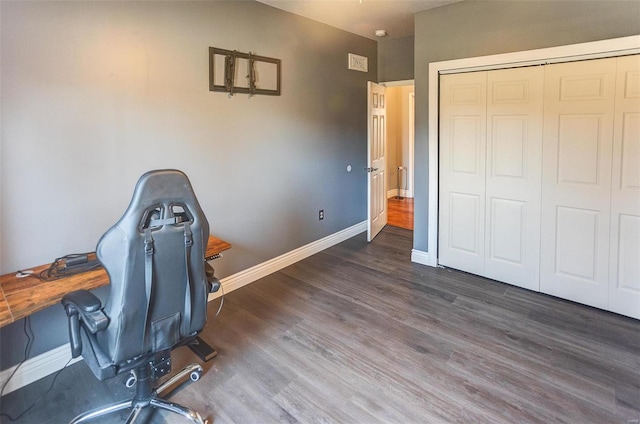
(213,282)
(84,300)
(83,306)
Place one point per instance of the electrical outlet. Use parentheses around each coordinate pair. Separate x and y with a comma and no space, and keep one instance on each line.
(321,214)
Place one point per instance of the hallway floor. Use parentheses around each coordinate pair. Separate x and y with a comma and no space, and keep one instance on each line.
(400,212)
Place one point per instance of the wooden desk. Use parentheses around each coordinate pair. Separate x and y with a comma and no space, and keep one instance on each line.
(22,297)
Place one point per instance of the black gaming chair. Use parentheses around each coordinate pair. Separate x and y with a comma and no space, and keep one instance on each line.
(154,256)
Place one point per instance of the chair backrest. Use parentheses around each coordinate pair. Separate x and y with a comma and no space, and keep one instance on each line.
(154,256)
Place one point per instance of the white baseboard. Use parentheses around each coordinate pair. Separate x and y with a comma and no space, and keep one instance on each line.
(37,367)
(394,193)
(423,258)
(53,360)
(256,272)
(405,193)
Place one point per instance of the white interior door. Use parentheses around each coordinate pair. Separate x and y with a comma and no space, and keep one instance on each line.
(513,177)
(376,146)
(463,115)
(577,155)
(624,271)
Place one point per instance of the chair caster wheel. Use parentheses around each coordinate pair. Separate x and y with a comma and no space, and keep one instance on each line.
(195,375)
(131,381)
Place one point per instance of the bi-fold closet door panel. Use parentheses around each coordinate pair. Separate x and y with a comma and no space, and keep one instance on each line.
(514,151)
(462,166)
(578,141)
(490,153)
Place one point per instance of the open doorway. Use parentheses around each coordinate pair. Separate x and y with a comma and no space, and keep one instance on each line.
(399,154)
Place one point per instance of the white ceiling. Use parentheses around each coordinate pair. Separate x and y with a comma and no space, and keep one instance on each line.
(361,17)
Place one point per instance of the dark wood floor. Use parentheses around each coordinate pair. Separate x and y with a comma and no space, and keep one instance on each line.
(359,334)
(400,212)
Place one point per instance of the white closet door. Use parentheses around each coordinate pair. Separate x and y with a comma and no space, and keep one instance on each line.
(462,171)
(577,154)
(624,272)
(513,179)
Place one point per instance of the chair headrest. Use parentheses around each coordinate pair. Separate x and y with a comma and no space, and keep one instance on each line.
(160,197)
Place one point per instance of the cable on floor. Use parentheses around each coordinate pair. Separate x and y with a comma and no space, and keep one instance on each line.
(30,339)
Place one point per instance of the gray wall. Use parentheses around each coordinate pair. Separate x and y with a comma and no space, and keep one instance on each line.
(395,59)
(478,28)
(96,93)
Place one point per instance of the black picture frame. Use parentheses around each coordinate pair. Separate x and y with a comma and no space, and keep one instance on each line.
(230,86)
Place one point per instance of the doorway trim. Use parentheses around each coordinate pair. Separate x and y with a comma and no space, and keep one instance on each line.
(574,52)
(401,83)
(412,142)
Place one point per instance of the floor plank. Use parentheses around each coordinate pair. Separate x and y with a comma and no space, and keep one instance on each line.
(358,333)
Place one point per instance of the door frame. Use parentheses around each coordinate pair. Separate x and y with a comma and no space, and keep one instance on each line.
(412,142)
(574,52)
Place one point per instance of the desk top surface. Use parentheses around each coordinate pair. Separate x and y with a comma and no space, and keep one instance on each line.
(21,297)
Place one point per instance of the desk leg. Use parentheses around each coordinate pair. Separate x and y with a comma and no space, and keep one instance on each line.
(202,349)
